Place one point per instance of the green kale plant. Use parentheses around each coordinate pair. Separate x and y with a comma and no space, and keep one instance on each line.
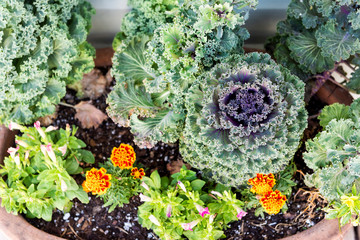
(245,116)
(333,154)
(317,36)
(154,72)
(180,207)
(43,47)
(35,178)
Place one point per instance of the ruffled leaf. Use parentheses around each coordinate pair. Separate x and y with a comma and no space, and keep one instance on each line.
(334,111)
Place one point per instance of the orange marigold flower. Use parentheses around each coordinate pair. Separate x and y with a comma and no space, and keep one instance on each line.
(273,201)
(124,156)
(262,183)
(97,181)
(137,173)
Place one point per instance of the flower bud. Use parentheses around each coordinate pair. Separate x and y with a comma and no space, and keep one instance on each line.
(39,129)
(154,220)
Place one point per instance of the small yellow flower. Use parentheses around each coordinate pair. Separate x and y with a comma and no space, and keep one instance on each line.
(262,183)
(273,201)
(124,156)
(97,181)
(137,173)
(349,201)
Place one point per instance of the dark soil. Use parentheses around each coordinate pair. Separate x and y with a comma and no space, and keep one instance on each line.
(92,221)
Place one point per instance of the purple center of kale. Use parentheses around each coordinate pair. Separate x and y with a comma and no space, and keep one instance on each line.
(246,106)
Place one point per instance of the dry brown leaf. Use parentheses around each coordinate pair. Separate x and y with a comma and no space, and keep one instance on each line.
(88,115)
(94,84)
(109,78)
(49,119)
(175,166)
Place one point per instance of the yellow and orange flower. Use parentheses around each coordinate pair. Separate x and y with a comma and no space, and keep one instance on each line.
(262,183)
(137,173)
(273,201)
(97,181)
(124,156)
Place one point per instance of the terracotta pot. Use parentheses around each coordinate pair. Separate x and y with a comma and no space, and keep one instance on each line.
(14,227)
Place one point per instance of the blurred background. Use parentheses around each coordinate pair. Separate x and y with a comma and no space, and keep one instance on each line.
(261,23)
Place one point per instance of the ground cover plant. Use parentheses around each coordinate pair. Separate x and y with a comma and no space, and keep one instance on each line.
(43,48)
(36,176)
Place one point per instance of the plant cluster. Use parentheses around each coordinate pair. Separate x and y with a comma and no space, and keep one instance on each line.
(181,206)
(43,47)
(117,180)
(244,116)
(333,154)
(154,70)
(36,176)
(317,35)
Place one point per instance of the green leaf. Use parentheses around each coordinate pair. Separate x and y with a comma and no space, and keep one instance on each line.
(156,179)
(304,48)
(164,182)
(335,42)
(354,83)
(86,156)
(130,61)
(71,166)
(354,166)
(197,184)
(334,111)
(303,10)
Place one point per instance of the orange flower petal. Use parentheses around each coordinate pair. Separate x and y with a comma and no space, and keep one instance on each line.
(262,183)
(273,201)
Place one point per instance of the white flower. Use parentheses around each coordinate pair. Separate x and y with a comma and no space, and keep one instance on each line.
(182,186)
(144,198)
(217,194)
(17,160)
(15,126)
(22,143)
(154,220)
(50,128)
(168,210)
(144,185)
(39,129)
(63,149)
(50,152)
(12,151)
(62,183)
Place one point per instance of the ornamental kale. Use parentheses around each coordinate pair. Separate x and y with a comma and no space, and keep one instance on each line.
(334,153)
(35,178)
(243,117)
(42,48)
(154,72)
(184,207)
(317,35)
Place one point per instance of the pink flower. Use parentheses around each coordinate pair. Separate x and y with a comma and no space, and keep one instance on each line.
(12,151)
(63,149)
(154,220)
(182,186)
(50,128)
(189,226)
(50,152)
(144,185)
(202,211)
(168,211)
(240,213)
(144,198)
(39,129)
(15,126)
(22,143)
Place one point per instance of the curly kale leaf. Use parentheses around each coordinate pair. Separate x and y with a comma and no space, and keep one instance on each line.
(334,153)
(42,47)
(129,61)
(304,48)
(244,116)
(303,10)
(337,43)
(334,111)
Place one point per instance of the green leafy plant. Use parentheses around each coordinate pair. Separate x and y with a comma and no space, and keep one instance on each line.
(154,71)
(180,207)
(347,209)
(333,154)
(245,116)
(317,36)
(42,48)
(36,176)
